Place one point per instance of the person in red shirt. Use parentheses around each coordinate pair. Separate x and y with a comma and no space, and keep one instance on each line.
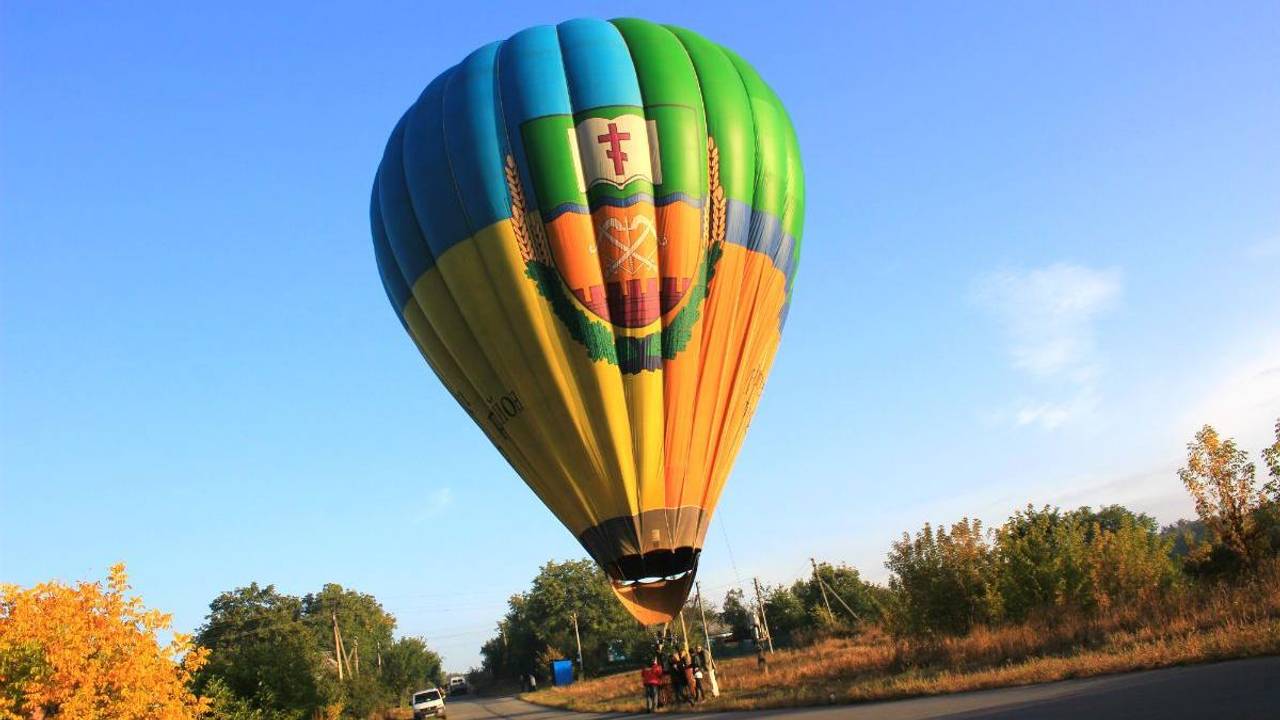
(652,677)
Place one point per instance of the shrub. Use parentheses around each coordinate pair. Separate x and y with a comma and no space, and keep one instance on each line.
(944,580)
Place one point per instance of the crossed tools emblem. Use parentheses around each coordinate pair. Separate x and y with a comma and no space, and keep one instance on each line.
(630,245)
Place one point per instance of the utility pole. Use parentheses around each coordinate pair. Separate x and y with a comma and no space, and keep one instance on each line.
(821,586)
(337,644)
(578,639)
(768,636)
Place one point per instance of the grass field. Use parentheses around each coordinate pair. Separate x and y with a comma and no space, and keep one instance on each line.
(1188,625)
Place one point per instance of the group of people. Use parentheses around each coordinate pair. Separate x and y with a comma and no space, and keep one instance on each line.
(677,678)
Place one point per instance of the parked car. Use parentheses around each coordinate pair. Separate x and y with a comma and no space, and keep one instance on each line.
(428,703)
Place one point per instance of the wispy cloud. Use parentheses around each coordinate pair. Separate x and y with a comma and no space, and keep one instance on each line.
(1049,316)
(1245,402)
(1268,248)
(437,501)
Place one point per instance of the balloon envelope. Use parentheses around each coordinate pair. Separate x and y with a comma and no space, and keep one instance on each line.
(590,231)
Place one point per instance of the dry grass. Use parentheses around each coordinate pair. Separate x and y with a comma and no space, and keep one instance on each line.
(1182,627)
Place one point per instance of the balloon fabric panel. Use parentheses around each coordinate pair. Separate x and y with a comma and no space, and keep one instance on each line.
(590,232)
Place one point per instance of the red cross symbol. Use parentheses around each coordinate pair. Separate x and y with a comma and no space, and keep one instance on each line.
(615,152)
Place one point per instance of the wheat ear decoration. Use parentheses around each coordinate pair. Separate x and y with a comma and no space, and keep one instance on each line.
(518,227)
(718,203)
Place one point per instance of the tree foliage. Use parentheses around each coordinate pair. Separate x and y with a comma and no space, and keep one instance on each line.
(944,580)
(92,651)
(738,614)
(408,665)
(539,623)
(274,654)
(1271,456)
(1080,559)
(1223,483)
(1040,560)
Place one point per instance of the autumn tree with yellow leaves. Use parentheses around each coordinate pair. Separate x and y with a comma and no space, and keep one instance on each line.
(1223,483)
(90,651)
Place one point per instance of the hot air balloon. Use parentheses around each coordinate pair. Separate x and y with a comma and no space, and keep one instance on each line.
(590,232)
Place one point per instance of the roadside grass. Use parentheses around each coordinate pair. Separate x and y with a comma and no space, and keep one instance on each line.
(1183,626)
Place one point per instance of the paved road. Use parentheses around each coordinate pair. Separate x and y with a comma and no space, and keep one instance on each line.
(1239,689)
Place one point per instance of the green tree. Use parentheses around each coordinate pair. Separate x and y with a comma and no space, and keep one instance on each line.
(271,656)
(944,581)
(1081,559)
(225,704)
(408,665)
(365,627)
(261,649)
(737,614)
(1184,537)
(786,614)
(539,623)
(1042,557)
(846,583)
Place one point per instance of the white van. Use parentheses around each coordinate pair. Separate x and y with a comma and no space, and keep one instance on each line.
(428,703)
(457,685)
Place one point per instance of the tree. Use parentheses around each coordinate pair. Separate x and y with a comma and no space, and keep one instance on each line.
(365,627)
(409,665)
(274,654)
(1127,561)
(737,615)
(799,614)
(1184,537)
(262,650)
(1222,483)
(786,613)
(539,623)
(1042,561)
(943,581)
(1271,456)
(91,651)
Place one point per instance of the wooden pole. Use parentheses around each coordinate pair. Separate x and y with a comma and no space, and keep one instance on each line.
(840,600)
(684,631)
(581,668)
(337,644)
(821,587)
(710,670)
(706,632)
(768,636)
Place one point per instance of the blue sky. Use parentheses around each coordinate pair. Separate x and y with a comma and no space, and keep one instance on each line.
(1042,248)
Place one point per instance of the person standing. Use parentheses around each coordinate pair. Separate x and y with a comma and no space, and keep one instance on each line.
(678,690)
(698,661)
(652,677)
(686,666)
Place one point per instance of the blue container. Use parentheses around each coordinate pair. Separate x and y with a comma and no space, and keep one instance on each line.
(562,672)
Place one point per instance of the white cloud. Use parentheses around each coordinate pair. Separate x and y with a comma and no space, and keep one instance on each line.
(1268,248)
(1048,315)
(437,501)
(1245,402)
(1051,415)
